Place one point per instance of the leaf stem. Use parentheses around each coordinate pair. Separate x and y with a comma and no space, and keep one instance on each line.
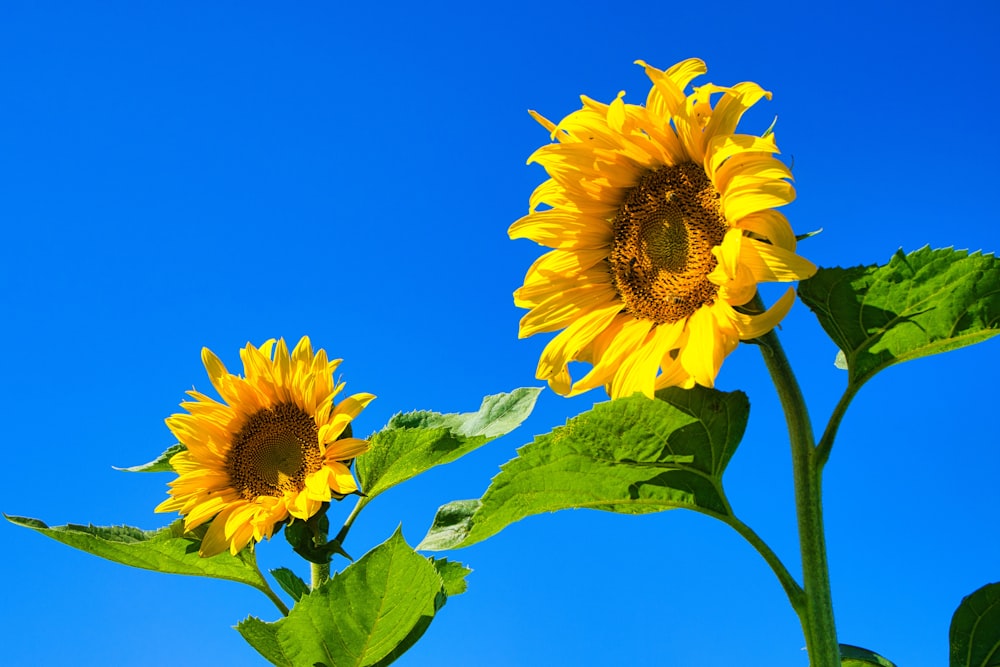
(273,597)
(817,616)
(826,442)
(358,506)
(268,591)
(796,596)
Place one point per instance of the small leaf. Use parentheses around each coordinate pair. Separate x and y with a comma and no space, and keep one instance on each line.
(922,303)
(975,629)
(308,539)
(369,614)
(160,464)
(631,455)
(451,525)
(855,656)
(168,549)
(417,441)
(453,575)
(290,582)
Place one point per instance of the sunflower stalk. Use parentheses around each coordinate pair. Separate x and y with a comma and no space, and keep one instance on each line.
(816,615)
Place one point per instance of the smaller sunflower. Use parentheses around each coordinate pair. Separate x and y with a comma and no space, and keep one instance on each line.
(272,451)
(662,221)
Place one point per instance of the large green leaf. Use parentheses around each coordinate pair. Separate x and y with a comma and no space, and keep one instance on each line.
(631,455)
(369,614)
(975,629)
(168,550)
(417,441)
(919,304)
(855,656)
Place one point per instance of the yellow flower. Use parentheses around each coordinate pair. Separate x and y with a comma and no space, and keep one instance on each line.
(662,222)
(271,451)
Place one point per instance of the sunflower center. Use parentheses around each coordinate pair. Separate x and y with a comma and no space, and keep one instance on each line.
(273,452)
(664,234)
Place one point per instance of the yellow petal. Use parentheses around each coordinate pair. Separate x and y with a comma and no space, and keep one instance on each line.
(563,348)
(753,326)
(612,351)
(215,541)
(724,147)
(667,97)
(342,480)
(771,225)
(741,200)
(217,374)
(560,229)
(561,310)
(727,113)
(637,371)
(749,166)
(769,263)
(318,484)
(537,290)
(706,347)
(544,122)
(346,448)
(616,114)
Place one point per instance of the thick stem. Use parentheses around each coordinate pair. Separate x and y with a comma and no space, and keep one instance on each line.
(817,616)
(320,573)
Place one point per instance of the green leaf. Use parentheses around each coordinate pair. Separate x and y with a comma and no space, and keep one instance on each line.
(975,629)
(921,303)
(308,539)
(855,656)
(290,582)
(417,441)
(160,464)
(168,550)
(369,614)
(631,455)
(453,575)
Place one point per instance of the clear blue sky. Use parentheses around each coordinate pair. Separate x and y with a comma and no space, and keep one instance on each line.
(182,175)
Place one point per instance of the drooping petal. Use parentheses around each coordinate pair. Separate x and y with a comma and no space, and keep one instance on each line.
(638,372)
(753,326)
(564,347)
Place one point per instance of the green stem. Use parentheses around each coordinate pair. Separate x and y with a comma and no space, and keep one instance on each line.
(817,616)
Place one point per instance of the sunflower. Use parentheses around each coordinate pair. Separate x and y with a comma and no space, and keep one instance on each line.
(273,450)
(662,224)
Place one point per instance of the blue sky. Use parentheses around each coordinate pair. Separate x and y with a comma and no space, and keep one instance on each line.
(207,174)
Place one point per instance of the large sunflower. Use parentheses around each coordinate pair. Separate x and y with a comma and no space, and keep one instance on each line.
(271,451)
(662,222)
